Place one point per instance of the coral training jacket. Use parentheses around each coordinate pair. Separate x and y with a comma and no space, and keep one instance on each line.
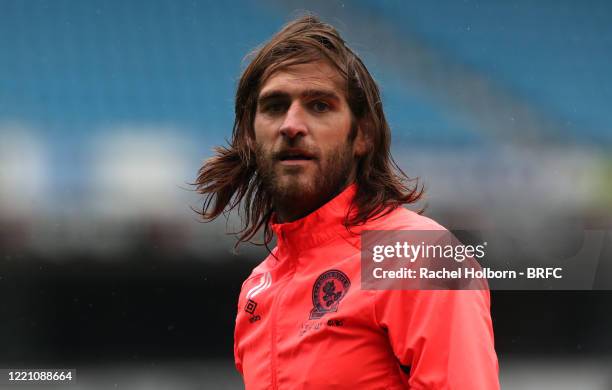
(304,323)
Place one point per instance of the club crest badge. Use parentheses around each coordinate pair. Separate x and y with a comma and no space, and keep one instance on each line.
(327,292)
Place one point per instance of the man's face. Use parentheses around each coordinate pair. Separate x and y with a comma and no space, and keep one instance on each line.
(302,127)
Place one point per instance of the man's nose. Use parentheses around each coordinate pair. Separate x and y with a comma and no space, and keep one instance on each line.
(295,121)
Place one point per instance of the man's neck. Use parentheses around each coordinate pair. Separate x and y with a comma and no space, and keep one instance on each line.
(289,210)
(292,209)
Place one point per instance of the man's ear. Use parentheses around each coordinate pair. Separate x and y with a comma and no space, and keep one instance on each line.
(360,144)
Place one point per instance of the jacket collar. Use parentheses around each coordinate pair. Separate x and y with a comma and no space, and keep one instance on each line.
(317,227)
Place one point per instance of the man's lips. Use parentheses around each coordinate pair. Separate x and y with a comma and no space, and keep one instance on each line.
(294,155)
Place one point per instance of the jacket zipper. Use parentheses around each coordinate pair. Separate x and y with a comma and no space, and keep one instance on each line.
(273,317)
(273,342)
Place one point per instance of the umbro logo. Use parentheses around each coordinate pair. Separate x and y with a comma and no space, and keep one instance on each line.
(251,305)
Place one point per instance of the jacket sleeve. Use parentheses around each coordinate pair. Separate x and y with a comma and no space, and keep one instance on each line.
(237,360)
(445,337)
(239,305)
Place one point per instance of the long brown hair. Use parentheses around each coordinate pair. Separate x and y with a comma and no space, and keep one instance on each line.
(230,178)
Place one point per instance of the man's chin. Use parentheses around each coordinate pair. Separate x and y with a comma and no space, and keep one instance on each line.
(294,188)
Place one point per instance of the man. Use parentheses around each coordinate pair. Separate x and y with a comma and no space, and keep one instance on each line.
(309,161)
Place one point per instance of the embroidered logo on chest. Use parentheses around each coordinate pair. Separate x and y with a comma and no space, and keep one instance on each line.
(327,292)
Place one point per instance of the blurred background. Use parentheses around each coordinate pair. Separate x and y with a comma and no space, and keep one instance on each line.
(108,108)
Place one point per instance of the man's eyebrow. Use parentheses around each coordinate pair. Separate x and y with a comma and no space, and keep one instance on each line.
(272,95)
(320,93)
(309,93)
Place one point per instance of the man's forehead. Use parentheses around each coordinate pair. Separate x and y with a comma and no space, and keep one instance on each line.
(299,77)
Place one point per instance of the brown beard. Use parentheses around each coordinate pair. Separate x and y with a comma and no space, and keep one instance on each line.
(334,172)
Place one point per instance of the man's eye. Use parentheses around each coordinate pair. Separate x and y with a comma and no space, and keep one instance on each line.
(274,108)
(320,106)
